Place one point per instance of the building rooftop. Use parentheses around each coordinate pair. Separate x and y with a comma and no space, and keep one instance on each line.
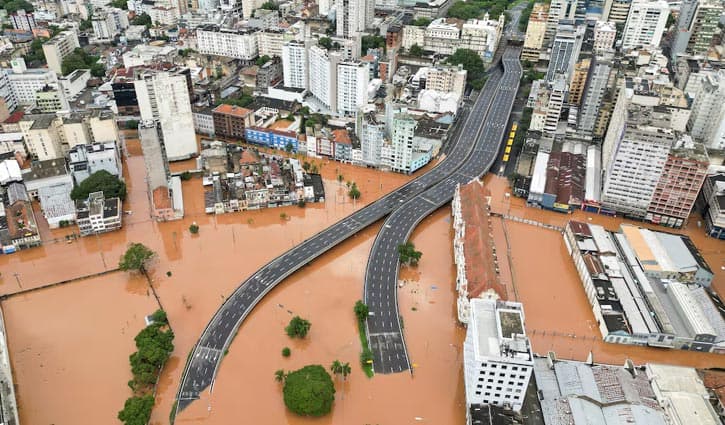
(46,169)
(234,110)
(499,330)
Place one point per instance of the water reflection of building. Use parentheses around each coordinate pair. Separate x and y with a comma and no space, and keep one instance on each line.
(497,357)
(646,287)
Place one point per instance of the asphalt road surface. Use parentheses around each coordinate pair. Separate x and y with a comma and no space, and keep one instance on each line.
(486,129)
(203,362)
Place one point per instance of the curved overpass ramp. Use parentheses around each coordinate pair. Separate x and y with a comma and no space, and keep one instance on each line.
(203,362)
(381,276)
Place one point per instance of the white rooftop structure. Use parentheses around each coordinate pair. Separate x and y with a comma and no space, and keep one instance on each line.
(679,390)
(10,171)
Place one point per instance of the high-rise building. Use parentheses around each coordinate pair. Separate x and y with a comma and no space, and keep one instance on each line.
(352,86)
(638,152)
(238,44)
(697,24)
(165,195)
(353,16)
(682,177)
(403,131)
(372,138)
(535,32)
(294,64)
(58,48)
(6,92)
(578,81)
(24,82)
(616,11)
(164,97)
(645,24)
(605,32)
(323,76)
(597,86)
(565,50)
(557,98)
(23,20)
(497,357)
(558,10)
(707,121)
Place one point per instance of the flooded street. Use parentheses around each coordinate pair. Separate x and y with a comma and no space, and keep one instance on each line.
(71,342)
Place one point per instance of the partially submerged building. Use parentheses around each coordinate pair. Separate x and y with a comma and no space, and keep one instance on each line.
(98,215)
(647,288)
(165,194)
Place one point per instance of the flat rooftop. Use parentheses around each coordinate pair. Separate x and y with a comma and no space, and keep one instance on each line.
(499,329)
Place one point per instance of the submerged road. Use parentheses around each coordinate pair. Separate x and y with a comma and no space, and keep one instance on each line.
(203,362)
(381,276)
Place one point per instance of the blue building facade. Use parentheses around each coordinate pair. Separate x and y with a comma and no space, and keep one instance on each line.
(271,138)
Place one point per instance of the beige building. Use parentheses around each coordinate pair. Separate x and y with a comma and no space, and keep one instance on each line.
(446,79)
(42,134)
(604,35)
(535,32)
(57,48)
(579,81)
(50,100)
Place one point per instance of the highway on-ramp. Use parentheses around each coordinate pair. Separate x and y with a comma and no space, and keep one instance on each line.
(204,360)
(381,276)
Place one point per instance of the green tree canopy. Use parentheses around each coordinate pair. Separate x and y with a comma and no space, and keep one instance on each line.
(325,42)
(137,410)
(121,4)
(154,344)
(135,258)
(100,181)
(309,391)
(142,19)
(472,63)
(80,59)
(361,310)
(408,254)
(472,9)
(36,55)
(262,60)
(421,22)
(13,6)
(372,42)
(242,101)
(298,327)
(269,5)
(415,50)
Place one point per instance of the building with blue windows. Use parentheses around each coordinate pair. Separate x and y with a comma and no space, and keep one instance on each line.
(276,139)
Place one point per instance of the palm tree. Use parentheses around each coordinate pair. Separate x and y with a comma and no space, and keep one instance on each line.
(336,367)
(345,370)
(279,375)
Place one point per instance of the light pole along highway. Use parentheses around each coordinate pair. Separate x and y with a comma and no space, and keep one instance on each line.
(384,332)
(206,355)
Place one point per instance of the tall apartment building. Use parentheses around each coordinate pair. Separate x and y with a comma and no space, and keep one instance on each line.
(50,100)
(371,133)
(497,357)
(696,27)
(323,76)
(237,44)
(22,20)
(578,81)
(565,50)
(58,48)
(535,32)
(638,152)
(713,205)
(605,33)
(616,11)
(294,64)
(682,177)
(707,121)
(164,97)
(42,136)
(557,98)
(446,79)
(559,10)
(353,16)
(403,132)
(108,23)
(352,86)
(6,92)
(597,86)
(645,24)
(24,82)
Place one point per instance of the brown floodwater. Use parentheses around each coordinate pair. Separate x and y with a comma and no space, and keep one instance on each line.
(82,333)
